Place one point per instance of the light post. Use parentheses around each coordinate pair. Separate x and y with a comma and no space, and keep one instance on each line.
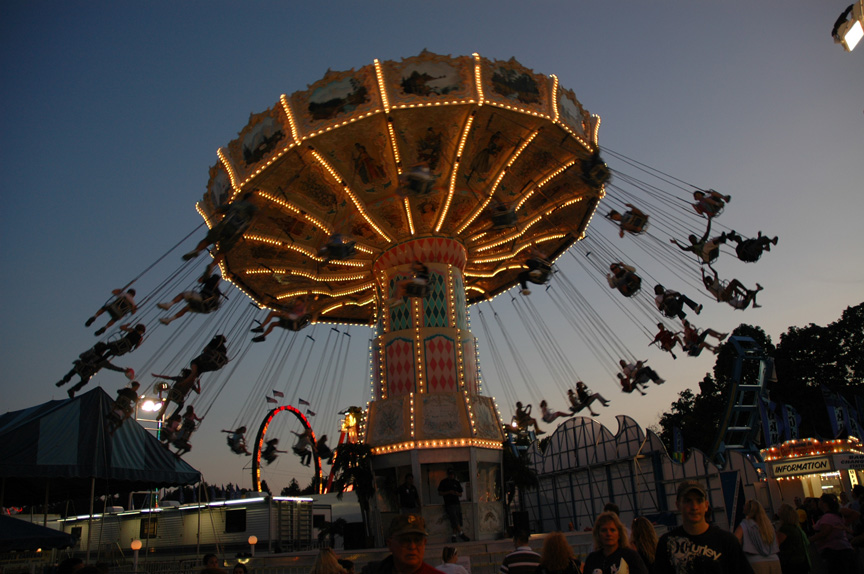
(136,546)
(849,27)
(253,540)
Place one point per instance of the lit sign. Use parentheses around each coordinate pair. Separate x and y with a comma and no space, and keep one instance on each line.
(804,466)
(849,461)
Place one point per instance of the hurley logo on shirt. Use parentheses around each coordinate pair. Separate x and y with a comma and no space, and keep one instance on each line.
(683,547)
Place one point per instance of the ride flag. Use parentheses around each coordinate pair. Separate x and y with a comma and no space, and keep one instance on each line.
(792,419)
(837,415)
(302,402)
(770,422)
(271,400)
(278,394)
(677,445)
(853,423)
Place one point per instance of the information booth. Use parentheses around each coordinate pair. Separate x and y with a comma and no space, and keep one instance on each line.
(810,467)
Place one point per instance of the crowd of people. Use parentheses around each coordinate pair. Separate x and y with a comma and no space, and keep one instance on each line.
(828,531)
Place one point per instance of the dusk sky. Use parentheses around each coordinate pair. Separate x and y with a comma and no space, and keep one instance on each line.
(113,113)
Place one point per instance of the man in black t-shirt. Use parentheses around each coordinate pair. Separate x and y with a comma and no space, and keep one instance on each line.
(409,498)
(451,491)
(697,547)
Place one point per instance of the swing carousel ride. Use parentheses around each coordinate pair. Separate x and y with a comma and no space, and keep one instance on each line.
(466,167)
(396,196)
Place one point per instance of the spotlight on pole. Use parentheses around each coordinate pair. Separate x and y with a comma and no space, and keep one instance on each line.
(253,540)
(849,27)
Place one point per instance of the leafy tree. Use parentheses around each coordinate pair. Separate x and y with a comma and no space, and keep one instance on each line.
(352,466)
(293,488)
(808,357)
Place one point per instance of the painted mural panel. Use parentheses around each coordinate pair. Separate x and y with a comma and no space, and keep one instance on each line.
(443,416)
(335,98)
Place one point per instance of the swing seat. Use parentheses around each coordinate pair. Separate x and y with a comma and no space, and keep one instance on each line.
(204,306)
(749,251)
(295,324)
(595,172)
(632,284)
(212,360)
(120,346)
(634,223)
(119,307)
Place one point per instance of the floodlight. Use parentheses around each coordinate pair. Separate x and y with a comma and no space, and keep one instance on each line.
(849,27)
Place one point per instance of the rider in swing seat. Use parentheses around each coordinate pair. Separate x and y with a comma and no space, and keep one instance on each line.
(623,277)
(632,221)
(538,271)
(237,441)
(122,304)
(205,300)
(229,230)
(418,286)
(524,419)
(750,250)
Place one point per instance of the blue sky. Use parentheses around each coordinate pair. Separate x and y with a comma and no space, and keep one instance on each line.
(112,114)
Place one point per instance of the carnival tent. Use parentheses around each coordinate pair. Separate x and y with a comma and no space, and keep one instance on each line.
(61,450)
(20,535)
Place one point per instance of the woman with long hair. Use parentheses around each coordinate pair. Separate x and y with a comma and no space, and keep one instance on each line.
(644,540)
(758,539)
(557,557)
(449,557)
(830,538)
(794,556)
(327,563)
(612,553)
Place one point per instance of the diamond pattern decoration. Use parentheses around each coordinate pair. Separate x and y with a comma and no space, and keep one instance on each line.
(400,367)
(435,304)
(440,354)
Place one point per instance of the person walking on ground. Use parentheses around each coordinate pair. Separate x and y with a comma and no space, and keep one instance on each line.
(758,539)
(697,547)
(612,552)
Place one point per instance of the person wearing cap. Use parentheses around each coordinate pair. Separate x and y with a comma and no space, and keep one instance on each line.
(697,547)
(406,540)
(451,490)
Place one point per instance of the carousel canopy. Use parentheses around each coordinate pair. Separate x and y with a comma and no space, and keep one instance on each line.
(489,153)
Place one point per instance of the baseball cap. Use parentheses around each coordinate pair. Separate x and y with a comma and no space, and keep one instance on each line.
(407,524)
(690,486)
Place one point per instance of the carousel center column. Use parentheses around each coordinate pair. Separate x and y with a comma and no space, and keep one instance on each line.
(428,414)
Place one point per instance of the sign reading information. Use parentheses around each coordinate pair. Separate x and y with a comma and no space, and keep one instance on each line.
(802,466)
